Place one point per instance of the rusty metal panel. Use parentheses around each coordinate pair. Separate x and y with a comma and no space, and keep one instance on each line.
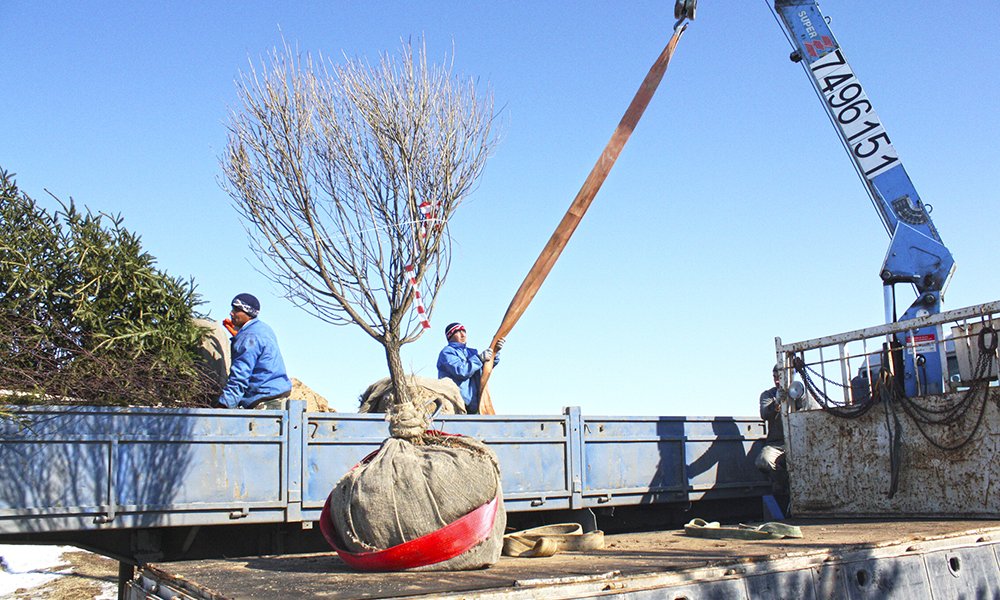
(880,450)
(841,467)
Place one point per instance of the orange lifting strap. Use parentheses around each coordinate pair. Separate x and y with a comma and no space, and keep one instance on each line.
(533,281)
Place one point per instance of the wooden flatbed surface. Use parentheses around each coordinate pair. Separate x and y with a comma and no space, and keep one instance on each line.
(325,576)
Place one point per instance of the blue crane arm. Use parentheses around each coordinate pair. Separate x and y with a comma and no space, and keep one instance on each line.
(916,253)
(918,256)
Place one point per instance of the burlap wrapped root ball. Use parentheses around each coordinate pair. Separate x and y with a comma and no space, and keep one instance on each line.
(417,483)
(425,391)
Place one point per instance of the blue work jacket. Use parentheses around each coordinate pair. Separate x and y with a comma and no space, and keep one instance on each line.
(257,372)
(461,364)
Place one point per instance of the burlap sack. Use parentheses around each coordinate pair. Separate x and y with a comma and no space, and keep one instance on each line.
(417,484)
(214,353)
(300,391)
(424,391)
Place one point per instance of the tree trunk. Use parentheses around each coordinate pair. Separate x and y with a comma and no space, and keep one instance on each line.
(400,390)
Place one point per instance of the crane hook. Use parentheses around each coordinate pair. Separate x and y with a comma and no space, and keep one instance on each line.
(685,9)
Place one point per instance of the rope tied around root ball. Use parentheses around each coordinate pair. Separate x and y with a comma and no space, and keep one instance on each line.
(408,422)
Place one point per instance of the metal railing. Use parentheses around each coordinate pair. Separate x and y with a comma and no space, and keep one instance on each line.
(843,367)
(877,449)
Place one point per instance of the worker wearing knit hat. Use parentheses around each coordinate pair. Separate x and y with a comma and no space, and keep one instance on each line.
(452,329)
(464,365)
(257,374)
(247,303)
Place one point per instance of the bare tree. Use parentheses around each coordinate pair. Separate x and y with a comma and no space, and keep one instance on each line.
(346,176)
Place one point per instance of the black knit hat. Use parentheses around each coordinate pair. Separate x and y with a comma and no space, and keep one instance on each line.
(247,304)
(452,329)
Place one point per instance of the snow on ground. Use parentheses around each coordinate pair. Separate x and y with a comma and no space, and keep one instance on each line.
(24,567)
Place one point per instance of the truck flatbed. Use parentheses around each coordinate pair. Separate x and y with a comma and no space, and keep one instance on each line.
(884,559)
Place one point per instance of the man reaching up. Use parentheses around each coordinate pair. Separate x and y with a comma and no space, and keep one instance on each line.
(464,365)
(257,373)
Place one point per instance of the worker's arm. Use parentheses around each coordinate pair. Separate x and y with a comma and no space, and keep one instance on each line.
(459,364)
(496,354)
(246,350)
(769,404)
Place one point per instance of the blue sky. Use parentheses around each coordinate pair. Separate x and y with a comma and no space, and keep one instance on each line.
(732,216)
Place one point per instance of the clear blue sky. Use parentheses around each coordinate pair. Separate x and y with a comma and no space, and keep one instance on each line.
(733,215)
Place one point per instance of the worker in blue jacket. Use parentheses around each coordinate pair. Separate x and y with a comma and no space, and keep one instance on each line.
(257,373)
(464,365)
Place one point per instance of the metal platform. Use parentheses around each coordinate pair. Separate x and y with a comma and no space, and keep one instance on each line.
(903,560)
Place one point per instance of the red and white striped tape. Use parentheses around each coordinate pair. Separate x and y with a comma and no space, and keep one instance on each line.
(421,311)
(427,213)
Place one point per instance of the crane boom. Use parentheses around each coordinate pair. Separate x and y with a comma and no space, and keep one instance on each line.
(916,253)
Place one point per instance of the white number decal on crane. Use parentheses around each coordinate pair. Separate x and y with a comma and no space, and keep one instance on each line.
(854,115)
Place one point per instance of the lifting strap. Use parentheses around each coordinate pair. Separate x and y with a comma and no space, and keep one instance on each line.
(765,531)
(540,542)
(440,545)
(533,281)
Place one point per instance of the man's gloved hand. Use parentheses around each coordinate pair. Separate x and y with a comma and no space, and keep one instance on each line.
(230,327)
(500,343)
(486,355)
